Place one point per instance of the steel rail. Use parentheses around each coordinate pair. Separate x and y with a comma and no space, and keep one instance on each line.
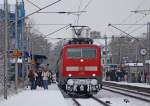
(129,87)
(100,101)
(76,102)
(128,90)
(136,97)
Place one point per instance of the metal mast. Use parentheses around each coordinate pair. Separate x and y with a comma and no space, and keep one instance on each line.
(148,36)
(6,49)
(16,33)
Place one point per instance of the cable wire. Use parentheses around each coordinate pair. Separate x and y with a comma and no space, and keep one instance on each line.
(33,4)
(11,23)
(78,15)
(86,6)
(57,30)
(131,14)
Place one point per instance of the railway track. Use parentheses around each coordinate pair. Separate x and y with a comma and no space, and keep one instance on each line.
(76,99)
(76,102)
(128,90)
(102,103)
(129,87)
(129,94)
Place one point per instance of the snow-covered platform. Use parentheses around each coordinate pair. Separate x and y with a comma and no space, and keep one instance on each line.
(38,97)
(141,87)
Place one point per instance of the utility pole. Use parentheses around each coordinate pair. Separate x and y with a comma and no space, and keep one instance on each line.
(148,36)
(106,56)
(23,49)
(120,50)
(23,54)
(6,49)
(28,49)
(16,32)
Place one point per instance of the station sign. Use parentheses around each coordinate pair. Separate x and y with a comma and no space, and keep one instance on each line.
(16,53)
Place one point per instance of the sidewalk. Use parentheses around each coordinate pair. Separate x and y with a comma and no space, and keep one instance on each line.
(38,97)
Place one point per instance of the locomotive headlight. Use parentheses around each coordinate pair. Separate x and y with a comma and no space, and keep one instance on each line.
(70,82)
(93,81)
(93,75)
(81,60)
(69,75)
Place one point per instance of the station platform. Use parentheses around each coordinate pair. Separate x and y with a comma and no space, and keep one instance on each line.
(38,97)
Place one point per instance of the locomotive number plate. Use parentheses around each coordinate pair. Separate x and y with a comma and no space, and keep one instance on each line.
(82,82)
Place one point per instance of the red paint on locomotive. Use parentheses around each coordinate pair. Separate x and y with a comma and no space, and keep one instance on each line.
(78,67)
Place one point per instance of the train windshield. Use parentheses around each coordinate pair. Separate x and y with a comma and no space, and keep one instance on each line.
(81,52)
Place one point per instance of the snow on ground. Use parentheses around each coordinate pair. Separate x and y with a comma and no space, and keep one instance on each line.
(88,102)
(38,97)
(53,97)
(144,85)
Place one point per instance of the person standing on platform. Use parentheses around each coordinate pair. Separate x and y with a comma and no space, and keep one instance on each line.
(39,80)
(32,78)
(45,76)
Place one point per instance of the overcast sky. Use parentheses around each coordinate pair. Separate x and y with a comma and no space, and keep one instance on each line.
(99,14)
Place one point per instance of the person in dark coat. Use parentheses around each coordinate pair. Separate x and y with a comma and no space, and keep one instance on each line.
(107,75)
(39,80)
(32,78)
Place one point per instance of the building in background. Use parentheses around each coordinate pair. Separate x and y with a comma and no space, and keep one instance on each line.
(12,36)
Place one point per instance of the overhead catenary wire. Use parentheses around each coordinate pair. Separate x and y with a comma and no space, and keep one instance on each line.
(124,32)
(128,24)
(63,12)
(136,23)
(45,36)
(50,24)
(141,3)
(86,6)
(131,14)
(11,23)
(78,15)
(134,30)
(39,10)
(33,4)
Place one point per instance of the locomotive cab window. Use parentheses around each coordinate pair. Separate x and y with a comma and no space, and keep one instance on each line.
(74,52)
(89,53)
(81,53)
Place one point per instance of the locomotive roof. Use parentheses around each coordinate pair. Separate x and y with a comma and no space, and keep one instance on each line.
(80,45)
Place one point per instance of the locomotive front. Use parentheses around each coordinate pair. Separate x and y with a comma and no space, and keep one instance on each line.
(81,68)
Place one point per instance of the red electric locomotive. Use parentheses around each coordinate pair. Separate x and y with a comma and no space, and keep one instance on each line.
(79,67)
